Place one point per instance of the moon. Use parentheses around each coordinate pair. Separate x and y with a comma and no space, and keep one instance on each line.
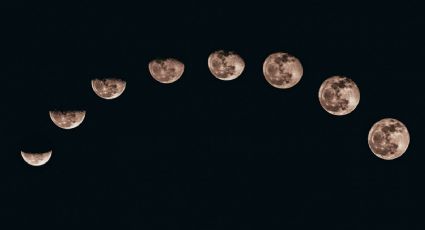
(282,70)
(339,95)
(388,139)
(108,88)
(166,70)
(67,119)
(36,159)
(225,65)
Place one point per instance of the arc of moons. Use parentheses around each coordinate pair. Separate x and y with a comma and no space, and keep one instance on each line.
(388,139)
(67,119)
(166,70)
(282,70)
(225,65)
(36,159)
(339,95)
(108,88)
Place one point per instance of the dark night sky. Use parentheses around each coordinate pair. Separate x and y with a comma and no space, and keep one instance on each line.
(203,153)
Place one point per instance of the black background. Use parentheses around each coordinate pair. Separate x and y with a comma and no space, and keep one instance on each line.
(203,153)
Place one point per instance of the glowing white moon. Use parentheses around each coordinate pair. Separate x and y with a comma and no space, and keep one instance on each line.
(339,95)
(108,88)
(225,65)
(282,70)
(166,70)
(67,119)
(388,139)
(36,159)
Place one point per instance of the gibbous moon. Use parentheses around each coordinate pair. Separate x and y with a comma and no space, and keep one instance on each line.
(388,139)
(36,159)
(166,70)
(339,95)
(225,65)
(108,88)
(282,70)
(67,119)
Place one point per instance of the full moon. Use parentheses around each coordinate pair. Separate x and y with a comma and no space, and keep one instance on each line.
(67,119)
(339,95)
(225,65)
(282,70)
(36,159)
(166,70)
(388,139)
(108,88)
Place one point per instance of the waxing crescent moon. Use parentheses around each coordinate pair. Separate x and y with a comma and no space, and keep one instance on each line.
(225,65)
(282,70)
(67,119)
(166,70)
(36,159)
(108,88)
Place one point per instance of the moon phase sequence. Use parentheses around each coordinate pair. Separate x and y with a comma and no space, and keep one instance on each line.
(225,65)
(108,88)
(339,95)
(166,70)
(67,119)
(36,159)
(388,139)
(282,70)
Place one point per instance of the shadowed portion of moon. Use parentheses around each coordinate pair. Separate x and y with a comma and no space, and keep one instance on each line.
(36,159)
(67,119)
(388,139)
(339,95)
(166,70)
(282,70)
(108,88)
(225,65)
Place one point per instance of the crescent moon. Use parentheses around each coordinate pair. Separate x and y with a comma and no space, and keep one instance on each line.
(166,70)
(36,159)
(108,88)
(67,119)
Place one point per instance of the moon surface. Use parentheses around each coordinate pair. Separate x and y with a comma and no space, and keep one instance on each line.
(339,95)
(166,70)
(225,65)
(388,139)
(108,88)
(67,119)
(36,159)
(282,70)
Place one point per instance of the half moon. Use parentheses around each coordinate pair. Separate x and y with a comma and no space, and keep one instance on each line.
(36,159)
(166,70)
(67,119)
(108,88)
